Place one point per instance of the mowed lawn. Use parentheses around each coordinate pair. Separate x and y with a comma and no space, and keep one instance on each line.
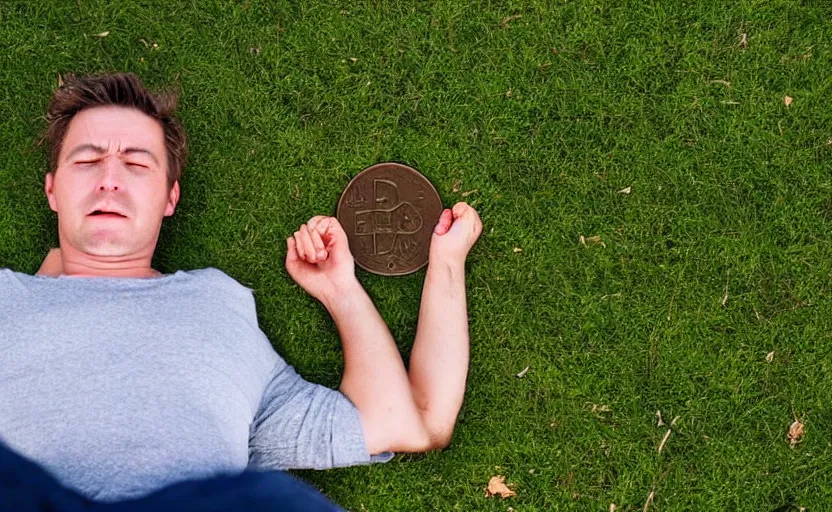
(693,139)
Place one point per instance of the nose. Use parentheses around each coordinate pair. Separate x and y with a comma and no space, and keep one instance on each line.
(110,179)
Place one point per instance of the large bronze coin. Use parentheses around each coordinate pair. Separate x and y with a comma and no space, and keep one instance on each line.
(389,211)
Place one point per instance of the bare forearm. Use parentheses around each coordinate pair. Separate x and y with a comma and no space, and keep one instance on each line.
(439,360)
(375,379)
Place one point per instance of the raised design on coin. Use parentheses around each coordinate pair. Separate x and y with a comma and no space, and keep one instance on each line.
(389,211)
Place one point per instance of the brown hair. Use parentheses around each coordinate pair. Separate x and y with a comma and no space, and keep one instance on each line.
(122,89)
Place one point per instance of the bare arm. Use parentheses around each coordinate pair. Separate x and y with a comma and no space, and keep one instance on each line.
(439,360)
(399,412)
(375,379)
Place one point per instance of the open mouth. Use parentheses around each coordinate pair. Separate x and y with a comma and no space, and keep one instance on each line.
(101,213)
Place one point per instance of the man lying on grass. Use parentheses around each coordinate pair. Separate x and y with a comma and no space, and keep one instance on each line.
(121,380)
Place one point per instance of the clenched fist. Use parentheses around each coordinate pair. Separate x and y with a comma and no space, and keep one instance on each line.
(319,258)
(455,233)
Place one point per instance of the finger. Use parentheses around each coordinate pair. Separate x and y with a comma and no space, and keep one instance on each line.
(299,246)
(460,209)
(308,246)
(318,244)
(334,233)
(314,221)
(291,250)
(444,223)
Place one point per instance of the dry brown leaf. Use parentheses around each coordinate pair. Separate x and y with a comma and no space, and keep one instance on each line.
(625,190)
(102,34)
(649,501)
(597,409)
(788,100)
(508,93)
(664,440)
(496,485)
(660,422)
(455,187)
(468,193)
(770,356)
(613,508)
(589,240)
(744,41)
(60,80)
(795,433)
(353,59)
(523,372)
(509,19)
(517,249)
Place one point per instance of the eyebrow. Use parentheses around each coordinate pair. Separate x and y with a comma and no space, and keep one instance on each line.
(100,150)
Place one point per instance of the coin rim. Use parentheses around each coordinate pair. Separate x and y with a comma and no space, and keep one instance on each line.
(400,166)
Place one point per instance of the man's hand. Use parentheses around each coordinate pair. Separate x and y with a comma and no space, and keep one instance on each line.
(455,233)
(319,259)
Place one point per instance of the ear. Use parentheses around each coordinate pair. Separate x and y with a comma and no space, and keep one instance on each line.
(49,189)
(173,199)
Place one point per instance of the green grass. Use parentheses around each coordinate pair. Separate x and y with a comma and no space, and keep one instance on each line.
(731,190)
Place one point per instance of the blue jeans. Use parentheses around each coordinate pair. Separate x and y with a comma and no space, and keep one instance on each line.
(27,487)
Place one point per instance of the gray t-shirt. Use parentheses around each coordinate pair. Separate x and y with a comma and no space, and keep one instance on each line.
(120,386)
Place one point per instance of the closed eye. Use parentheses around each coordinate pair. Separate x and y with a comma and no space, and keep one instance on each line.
(86,162)
(135,164)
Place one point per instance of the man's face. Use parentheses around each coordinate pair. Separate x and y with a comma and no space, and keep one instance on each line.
(113,159)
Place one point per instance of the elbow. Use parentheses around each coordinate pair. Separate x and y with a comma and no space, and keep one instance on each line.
(439,439)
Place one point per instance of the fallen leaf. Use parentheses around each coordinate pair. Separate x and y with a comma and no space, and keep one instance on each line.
(509,19)
(788,100)
(455,187)
(60,80)
(353,59)
(589,240)
(725,297)
(466,194)
(613,508)
(649,501)
(659,415)
(744,41)
(625,190)
(508,93)
(517,249)
(597,409)
(770,356)
(523,373)
(155,46)
(102,34)
(795,433)
(674,420)
(664,440)
(496,485)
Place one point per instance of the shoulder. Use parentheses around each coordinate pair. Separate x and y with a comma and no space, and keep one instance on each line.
(215,279)
(217,276)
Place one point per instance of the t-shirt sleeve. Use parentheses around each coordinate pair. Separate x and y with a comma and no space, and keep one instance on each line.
(301,425)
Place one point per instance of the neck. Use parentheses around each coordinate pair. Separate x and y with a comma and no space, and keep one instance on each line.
(80,264)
